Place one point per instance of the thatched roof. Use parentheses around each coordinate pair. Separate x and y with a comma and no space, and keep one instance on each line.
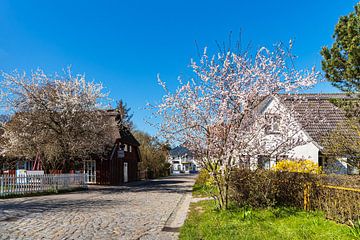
(122,133)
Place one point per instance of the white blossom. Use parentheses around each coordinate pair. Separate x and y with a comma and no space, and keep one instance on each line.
(217,115)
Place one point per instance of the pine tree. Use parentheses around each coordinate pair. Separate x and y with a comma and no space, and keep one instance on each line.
(124,117)
(341,62)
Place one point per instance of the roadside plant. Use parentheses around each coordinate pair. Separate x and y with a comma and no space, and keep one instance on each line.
(217,114)
(355,228)
(153,155)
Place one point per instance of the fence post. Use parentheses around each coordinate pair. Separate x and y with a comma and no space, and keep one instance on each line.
(84,181)
(2,186)
(56,183)
(306,196)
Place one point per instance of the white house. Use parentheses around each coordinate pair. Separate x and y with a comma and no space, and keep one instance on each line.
(182,161)
(315,117)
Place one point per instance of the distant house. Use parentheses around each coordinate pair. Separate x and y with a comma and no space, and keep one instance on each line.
(314,127)
(182,161)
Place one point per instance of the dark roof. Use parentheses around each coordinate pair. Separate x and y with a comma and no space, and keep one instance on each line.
(180,151)
(317,115)
(127,137)
(121,133)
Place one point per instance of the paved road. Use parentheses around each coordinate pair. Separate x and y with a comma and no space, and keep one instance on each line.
(137,211)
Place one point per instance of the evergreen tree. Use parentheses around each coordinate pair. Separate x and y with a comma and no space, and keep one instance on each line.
(341,62)
(124,117)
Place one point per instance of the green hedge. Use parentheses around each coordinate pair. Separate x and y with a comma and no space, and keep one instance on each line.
(262,188)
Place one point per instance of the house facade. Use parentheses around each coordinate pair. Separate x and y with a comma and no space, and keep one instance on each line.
(120,165)
(315,117)
(182,161)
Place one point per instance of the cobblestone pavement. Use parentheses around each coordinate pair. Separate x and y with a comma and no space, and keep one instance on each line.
(136,211)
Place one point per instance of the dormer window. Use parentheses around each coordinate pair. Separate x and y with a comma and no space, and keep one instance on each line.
(273,124)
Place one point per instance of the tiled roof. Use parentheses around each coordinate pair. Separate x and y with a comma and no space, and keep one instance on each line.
(327,96)
(180,151)
(317,115)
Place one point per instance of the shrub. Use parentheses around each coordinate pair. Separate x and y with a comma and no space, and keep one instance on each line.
(203,177)
(300,166)
(352,181)
(262,188)
(339,204)
(204,185)
(255,189)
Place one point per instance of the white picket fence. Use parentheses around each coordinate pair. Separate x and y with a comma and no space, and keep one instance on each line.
(15,185)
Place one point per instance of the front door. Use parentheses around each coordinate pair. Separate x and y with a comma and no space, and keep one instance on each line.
(90,171)
(126,178)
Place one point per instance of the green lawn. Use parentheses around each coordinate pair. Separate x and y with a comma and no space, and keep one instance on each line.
(282,223)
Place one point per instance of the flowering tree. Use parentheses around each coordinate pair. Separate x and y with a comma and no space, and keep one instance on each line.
(55,119)
(218,114)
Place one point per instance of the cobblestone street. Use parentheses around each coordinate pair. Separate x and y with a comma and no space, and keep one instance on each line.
(136,211)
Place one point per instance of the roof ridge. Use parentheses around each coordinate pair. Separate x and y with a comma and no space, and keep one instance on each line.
(320,96)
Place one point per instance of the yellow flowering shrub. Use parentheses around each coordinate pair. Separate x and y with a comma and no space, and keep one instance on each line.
(301,166)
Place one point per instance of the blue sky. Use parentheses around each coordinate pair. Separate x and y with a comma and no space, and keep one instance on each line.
(125,44)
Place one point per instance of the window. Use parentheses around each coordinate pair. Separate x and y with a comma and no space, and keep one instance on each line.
(29,165)
(273,125)
(126,148)
(264,161)
(130,148)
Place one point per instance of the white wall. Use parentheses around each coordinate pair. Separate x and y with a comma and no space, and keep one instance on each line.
(308,151)
(291,130)
(180,166)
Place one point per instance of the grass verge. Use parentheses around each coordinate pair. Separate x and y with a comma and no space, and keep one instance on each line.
(201,190)
(204,222)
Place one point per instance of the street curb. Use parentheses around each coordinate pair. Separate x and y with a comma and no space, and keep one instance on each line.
(178,216)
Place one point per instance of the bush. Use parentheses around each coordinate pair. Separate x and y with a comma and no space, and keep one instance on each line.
(352,181)
(255,189)
(262,188)
(203,177)
(204,185)
(300,166)
(338,204)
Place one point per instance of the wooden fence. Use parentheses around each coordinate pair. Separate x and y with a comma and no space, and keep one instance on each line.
(341,204)
(15,185)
